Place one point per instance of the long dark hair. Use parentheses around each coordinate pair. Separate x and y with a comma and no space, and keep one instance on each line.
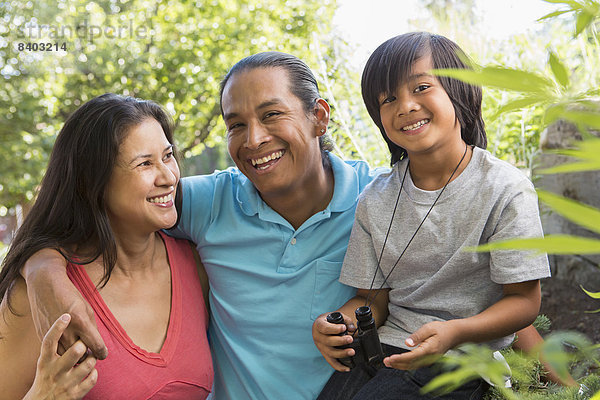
(391,64)
(70,210)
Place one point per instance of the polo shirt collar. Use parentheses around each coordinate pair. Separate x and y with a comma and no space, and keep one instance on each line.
(346,186)
(345,190)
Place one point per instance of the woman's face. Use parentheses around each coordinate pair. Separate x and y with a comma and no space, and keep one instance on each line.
(140,193)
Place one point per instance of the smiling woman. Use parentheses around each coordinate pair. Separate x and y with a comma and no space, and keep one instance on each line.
(143,181)
(145,289)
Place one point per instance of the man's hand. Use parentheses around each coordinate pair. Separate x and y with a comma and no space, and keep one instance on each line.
(61,377)
(326,337)
(52,294)
(433,340)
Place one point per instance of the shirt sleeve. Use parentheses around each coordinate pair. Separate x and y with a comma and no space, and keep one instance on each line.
(360,262)
(198,194)
(519,218)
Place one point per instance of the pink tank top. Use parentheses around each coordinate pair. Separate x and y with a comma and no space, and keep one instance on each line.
(183,367)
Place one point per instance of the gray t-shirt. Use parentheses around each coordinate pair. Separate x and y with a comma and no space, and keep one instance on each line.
(435,279)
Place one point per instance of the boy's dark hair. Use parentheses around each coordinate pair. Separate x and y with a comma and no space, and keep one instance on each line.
(70,211)
(302,82)
(391,64)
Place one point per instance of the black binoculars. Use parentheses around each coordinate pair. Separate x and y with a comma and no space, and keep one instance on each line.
(366,345)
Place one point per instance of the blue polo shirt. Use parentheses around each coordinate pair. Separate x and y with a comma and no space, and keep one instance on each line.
(268,281)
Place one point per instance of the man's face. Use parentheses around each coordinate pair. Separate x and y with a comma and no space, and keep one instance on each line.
(270,137)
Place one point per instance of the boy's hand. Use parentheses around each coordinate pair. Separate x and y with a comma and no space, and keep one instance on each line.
(51,294)
(326,337)
(433,340)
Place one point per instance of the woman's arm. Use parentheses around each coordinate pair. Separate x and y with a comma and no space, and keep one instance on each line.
(50,375)
(51,294)
(19,344)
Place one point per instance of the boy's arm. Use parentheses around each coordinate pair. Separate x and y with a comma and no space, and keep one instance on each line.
(51,294)
(528,340)
(326,335)
(517,309)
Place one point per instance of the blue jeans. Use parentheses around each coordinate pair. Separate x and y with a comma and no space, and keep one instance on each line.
(364,383)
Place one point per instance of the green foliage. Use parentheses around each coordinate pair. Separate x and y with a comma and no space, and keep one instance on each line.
(552,244)
(174,54)
(585,11)
(542,323)
(554,93)
(558,97)
(561,350)
(474,362)
(352,134)
(586,151)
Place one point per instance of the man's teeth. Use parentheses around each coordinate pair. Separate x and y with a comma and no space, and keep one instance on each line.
(415,125)
(163,199)
(268,158)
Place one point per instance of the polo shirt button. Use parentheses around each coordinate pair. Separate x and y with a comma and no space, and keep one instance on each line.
(293,241)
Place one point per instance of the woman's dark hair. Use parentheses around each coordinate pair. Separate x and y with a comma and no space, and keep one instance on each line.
(302,82)
(390,65)
(70,211)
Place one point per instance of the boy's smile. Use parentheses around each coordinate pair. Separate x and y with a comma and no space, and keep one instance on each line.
(419,116)
(413,127)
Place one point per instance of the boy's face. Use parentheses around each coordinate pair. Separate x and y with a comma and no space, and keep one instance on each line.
(419,116)
(270,137)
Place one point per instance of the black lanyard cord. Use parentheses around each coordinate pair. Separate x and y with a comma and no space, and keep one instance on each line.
(367,303)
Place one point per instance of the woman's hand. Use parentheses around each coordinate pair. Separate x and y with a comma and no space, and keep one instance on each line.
(327,336)
(61,377)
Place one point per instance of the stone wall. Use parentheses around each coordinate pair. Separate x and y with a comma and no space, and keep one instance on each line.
(581,186)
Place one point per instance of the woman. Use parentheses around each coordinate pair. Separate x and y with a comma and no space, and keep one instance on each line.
(108,190)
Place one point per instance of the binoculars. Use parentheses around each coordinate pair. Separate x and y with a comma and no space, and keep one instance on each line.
(366,344)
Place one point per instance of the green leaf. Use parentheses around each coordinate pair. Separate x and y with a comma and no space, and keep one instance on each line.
(583,20)
(586,151)
(553,14)
(572,167)
(470,363)
(553,350)
(580,118)
(574,5)
(519,104)
(502,78)
(593,295)
(551,244)
(579,213)
(559,70)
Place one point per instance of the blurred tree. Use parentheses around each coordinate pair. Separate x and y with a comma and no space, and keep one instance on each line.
(174,53)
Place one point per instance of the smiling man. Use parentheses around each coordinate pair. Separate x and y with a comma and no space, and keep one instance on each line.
(272,234)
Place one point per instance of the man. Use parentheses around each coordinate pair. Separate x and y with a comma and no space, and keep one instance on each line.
(272,234)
